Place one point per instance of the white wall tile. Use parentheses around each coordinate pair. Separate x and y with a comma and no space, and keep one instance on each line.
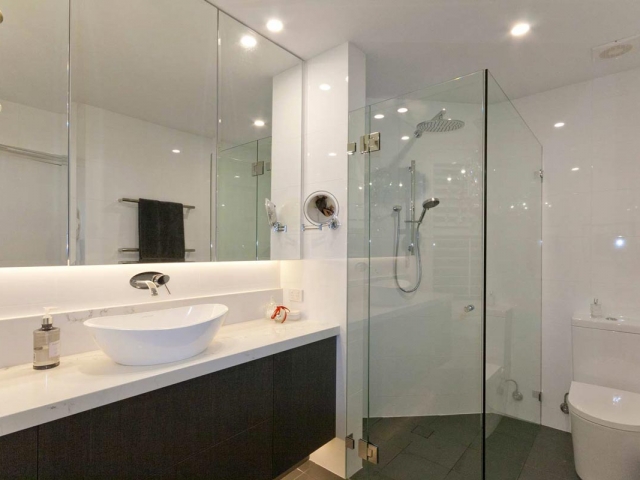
(585,212)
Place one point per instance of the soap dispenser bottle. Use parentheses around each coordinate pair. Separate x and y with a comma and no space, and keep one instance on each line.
(46,344)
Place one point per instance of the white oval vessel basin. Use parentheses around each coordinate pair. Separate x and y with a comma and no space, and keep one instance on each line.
(160,336)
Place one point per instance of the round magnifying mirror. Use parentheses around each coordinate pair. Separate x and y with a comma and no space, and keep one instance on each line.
(321,208)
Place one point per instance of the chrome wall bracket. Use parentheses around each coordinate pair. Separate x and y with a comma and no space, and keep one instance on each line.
(370,143)
(368,451)
(352,147)
(279,227)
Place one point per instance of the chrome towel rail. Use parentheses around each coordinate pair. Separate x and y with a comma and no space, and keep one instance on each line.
(135,200)
(133,250)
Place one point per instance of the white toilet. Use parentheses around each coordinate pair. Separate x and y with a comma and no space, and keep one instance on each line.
(604,400)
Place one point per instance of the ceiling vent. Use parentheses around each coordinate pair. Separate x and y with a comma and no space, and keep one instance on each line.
(616,49)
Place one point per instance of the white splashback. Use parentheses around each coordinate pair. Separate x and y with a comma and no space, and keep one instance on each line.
(243,286)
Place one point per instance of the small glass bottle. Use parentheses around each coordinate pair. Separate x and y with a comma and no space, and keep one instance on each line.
(46,344)
(596,309)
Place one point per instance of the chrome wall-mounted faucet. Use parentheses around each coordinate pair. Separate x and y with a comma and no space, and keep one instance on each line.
(150,281)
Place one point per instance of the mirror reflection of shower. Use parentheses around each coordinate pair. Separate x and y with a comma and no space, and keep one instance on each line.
(414,246)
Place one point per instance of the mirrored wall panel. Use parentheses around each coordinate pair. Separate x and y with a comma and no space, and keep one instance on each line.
(33,132)
(143,126)
(145,132)
(259,147)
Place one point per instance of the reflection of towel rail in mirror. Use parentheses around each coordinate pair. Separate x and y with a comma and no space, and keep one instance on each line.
(134,250)
(36,155)
(135,200)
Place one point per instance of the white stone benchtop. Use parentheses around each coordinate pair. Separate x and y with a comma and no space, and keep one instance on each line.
(89,380)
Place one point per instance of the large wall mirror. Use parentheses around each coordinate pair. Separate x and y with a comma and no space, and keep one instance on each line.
(145,131)
(259,147)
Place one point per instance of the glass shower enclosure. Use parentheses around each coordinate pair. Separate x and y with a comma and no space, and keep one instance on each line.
(444,285)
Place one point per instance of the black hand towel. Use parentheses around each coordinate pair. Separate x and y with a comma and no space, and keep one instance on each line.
(160,231)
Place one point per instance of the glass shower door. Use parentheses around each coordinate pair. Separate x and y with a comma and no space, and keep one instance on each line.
(416,282)
(444,285)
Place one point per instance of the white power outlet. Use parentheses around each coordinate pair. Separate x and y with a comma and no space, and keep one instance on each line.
(295,295)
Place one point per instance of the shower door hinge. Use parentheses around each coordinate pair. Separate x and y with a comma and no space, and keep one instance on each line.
(537,395)
(368,451)
(257,169)
(349,442)
(541,173)
(370,142)
(352,147)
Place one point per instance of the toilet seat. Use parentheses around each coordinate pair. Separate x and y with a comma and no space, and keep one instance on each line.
(605,406)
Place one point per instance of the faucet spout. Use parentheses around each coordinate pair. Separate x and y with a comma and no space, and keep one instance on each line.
(151,286)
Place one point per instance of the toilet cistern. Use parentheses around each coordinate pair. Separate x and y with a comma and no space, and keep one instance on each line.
(150,281)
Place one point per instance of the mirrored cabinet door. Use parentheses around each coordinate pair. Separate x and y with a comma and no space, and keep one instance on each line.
(145,132)
(34,164)
(143,126)
(259,147)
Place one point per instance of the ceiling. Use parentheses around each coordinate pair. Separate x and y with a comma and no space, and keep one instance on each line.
(411,44)
(154,60)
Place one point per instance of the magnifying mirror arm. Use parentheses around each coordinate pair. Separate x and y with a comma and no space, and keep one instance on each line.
(278,227)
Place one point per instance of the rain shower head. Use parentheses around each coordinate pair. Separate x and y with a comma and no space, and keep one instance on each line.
(438,124)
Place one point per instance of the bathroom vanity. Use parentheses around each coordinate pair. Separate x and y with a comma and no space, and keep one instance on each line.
(258,401)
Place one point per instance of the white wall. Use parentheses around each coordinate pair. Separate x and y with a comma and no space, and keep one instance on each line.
(584,213)
(322,273)
(33,211)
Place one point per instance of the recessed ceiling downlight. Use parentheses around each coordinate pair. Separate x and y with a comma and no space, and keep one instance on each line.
(248,41)
(175,150)
(559,124)
(275,25)
(403,110)
(379,116)
(520,29)
(259,123)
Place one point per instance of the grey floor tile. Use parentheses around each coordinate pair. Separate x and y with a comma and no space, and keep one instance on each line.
(436,449)
(460,429)
(552,462)
(305,466)
(453,475)
(412,467)
(387,428)
(502,470)
(470,465)
(316,472)
(422,431)
(512,449)
(513,427)
(304,476)
(292,475)
(529,473)
(554,442)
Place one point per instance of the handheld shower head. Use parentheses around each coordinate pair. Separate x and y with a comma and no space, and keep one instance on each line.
(428,205)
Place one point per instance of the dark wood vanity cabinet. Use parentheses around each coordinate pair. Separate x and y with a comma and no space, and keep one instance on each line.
(253,421)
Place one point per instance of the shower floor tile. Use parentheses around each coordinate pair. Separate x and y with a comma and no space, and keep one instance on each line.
(449,448)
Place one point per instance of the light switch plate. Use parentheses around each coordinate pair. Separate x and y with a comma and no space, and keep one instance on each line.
(295,295)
